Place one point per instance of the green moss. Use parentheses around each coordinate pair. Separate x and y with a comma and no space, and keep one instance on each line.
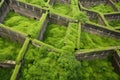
(8,49)
(81,17)
(5,73)
(62,9)
(91,41)
(102,8)
(118,5)
(22,24)
(71,37)
(41,64)
(54,35)
(35,2)
(115,23)
(98,69)
(70,10)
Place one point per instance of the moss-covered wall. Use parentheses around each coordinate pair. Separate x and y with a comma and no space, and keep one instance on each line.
(26,9)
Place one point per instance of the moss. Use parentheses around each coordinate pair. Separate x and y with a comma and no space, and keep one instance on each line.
(115,23)
(5,73)
(91,41)
(102,8)
(22,24)
(54,35)
(8,49)
(71,38)
(118,5)
(41,64)
(98,69)
(62,9)
(70,10)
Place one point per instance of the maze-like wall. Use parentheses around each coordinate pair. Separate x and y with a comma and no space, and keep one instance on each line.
(44,17)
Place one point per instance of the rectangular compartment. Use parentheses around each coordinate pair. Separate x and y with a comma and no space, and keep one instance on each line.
(21,17)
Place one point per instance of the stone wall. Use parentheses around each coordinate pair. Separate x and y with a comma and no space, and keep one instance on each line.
(26,9)
(116,62)
(114,16)
(63,1)
(90,14)
(55,19)
(101,21)
(7,64)
(4,9)
(93,55)
(93,15)
(43,29)
(12,35)
(100,30)
(60,20)
(89,3)
(100,55)
(52,2)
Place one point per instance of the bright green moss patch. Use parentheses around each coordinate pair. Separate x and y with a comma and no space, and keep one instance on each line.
(36,2)
(54,35)
(5,73)
(102,8)
(69,10)
(62,9)
(115,23)
(40,64)
(8,49)
(98,69)
(22,24)
(71,37)
(91,41)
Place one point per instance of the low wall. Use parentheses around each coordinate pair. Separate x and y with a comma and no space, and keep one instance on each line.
(116,62)
(100,30)
(14,36)
(55,19)
(63,1)
(93,15)
(26,9)
(60,20)
(88,3)
(4,9)
(43,29)
(52,2)
(114,16)
(7,64)
(93,55)
(101,54)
